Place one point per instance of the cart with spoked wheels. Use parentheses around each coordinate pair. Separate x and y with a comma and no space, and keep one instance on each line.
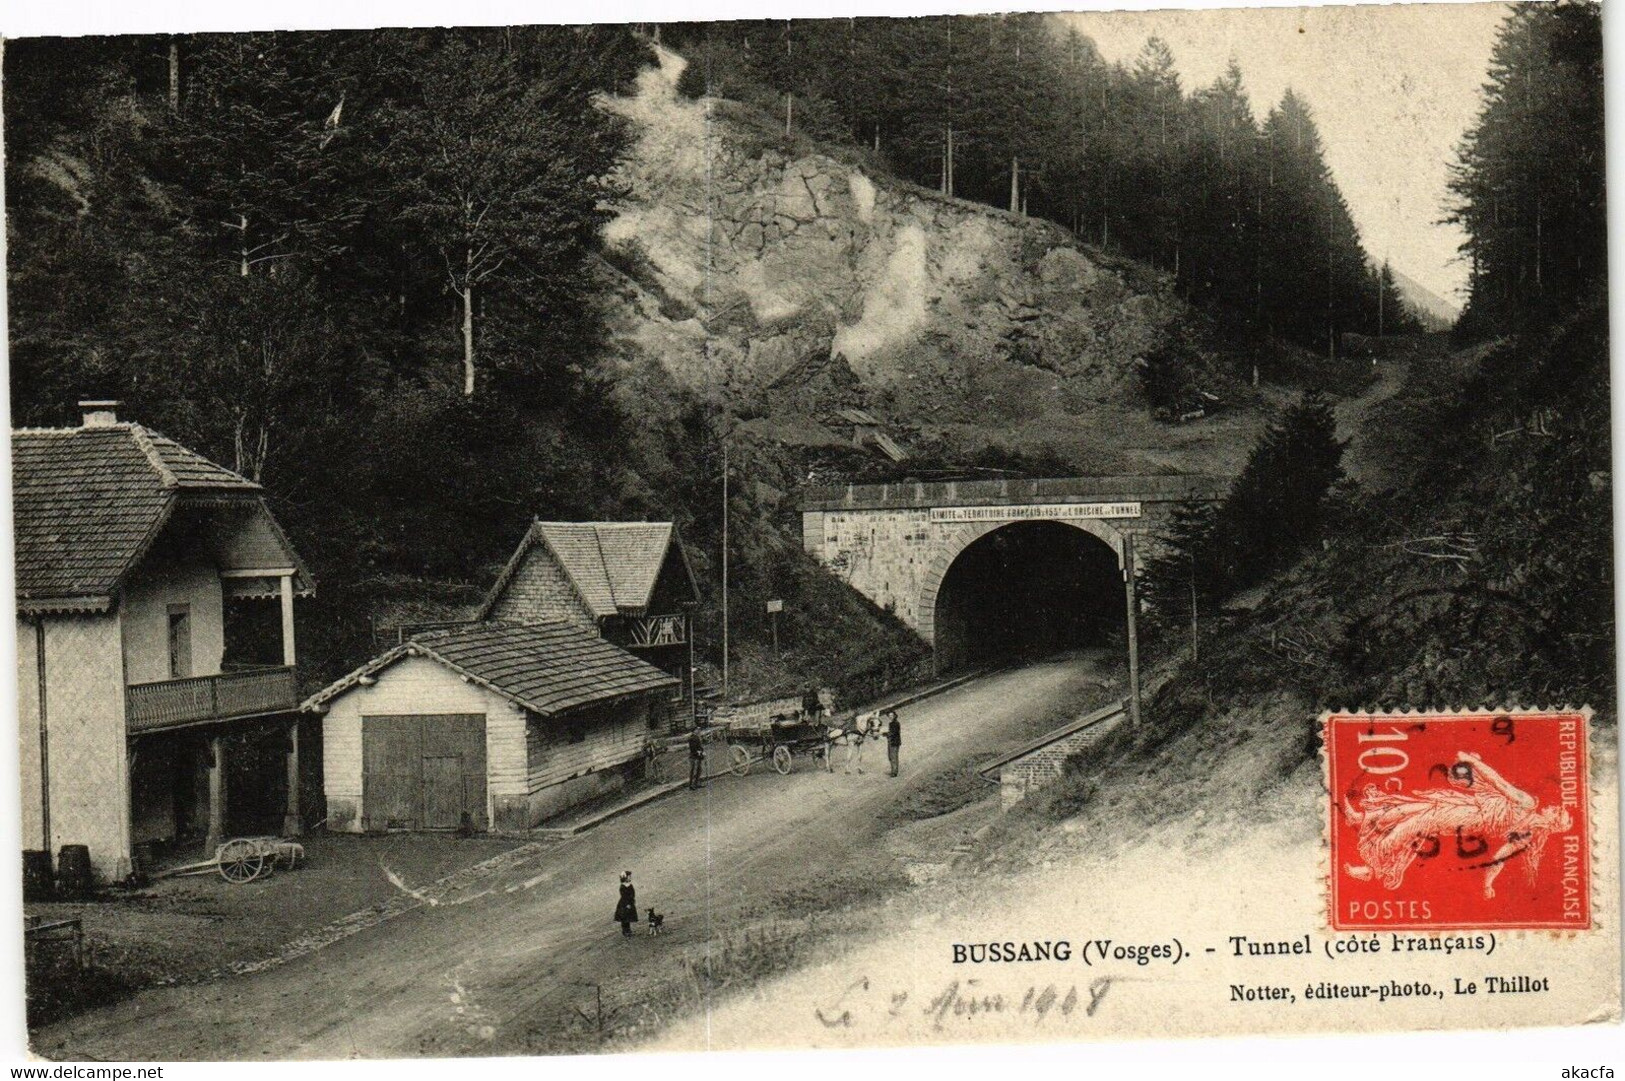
(243,859)
(778,741)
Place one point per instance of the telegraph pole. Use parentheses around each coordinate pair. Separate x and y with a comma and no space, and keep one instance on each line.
(1133,603)
(693,699)
(1192,556)
(724,566)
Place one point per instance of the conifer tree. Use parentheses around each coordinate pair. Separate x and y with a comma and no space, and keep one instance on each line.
(1275,508)
(1315,269)
(1220,190)
(1529,179)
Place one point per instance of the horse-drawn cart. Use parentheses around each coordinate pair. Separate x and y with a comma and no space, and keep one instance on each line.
(778,741)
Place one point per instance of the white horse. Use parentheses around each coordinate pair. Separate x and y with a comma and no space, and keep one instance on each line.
(853,735)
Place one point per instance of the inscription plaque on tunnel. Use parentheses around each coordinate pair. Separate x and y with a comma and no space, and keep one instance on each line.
(1458,821)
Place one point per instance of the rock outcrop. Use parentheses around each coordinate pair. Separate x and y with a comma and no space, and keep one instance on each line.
(750,260)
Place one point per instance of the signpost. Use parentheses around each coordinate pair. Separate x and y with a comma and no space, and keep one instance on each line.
(774,607)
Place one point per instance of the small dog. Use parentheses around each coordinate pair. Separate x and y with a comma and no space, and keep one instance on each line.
(657,922)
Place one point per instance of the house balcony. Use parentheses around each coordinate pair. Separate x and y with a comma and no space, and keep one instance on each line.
(651,632)
(175,703)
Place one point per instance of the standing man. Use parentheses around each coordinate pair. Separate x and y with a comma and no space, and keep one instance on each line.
(696,759)
(894,739)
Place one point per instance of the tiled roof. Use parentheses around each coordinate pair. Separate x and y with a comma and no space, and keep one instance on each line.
(632,553)
(191,470)
(613,565)
(577,547)
(545,667)
(89,501)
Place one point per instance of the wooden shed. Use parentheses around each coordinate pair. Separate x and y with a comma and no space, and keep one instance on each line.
(489,725)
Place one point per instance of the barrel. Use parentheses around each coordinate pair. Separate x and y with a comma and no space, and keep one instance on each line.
(73,876)
(141,862)
(38,884)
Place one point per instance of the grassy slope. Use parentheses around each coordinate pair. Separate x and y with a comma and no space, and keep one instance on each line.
(1484,574)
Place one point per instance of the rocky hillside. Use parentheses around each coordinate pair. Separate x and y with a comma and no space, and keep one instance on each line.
(803,279)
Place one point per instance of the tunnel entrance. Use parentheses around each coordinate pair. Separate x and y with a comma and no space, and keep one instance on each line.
(1025,590)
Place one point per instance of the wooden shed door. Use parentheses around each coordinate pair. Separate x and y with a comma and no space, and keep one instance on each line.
(423,772)
(442,791)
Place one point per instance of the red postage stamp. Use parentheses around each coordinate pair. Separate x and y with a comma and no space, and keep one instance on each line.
(1454,821)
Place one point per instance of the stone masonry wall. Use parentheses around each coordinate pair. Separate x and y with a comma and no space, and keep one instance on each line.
(897,556)
(1044,766)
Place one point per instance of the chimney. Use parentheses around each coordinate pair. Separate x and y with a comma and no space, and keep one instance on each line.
(100,413)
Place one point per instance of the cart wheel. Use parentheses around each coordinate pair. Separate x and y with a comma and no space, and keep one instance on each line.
(741,758)
(781,759)
(240,861)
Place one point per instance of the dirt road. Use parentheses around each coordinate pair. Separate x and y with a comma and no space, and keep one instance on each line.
(483,970)
(1362,461)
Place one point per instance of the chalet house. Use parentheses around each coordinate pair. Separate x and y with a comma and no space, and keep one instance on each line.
(486,725)
(629,582)
(136,692)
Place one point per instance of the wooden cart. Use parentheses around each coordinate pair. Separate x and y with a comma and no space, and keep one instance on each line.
(243,859)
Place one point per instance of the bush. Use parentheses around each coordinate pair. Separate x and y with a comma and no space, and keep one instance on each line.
(1275,509)
(1170,375)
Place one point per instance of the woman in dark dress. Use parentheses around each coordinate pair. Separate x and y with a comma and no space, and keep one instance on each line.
(626,911)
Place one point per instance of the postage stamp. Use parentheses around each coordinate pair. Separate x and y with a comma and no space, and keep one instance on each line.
(1458,820)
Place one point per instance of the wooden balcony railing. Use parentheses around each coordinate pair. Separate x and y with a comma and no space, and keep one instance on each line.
(649,631)
(174,702)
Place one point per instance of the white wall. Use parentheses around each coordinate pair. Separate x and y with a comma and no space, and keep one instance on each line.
(523,762)
(563,773)
(615,734)
(84,700)
(28,734)
(158,583)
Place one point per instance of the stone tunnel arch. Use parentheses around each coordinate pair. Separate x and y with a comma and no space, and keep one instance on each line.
(1068,589)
